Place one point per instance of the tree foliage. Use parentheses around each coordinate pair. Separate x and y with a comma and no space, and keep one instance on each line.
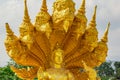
(117,70)
(106,69)
(7,74)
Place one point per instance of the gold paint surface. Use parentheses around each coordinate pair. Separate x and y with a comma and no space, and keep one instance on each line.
(60,46)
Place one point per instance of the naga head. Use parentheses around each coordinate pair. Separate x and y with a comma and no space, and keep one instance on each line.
(43,16)
(63,10)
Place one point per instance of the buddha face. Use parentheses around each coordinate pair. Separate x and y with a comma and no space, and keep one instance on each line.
(58,56)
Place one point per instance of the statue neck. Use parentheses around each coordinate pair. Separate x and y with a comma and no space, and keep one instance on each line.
(57,66)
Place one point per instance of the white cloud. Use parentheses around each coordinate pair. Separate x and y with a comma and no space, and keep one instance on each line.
(108,10)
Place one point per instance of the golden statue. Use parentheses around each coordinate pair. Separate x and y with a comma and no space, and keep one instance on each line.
(57,69)
(57,47)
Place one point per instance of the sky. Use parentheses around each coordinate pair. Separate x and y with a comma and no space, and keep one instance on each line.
(11,11)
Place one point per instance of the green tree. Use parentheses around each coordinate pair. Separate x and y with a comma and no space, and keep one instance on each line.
(7,74)
(117,69)
(106,71)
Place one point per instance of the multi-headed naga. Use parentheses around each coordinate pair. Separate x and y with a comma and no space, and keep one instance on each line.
(60,46)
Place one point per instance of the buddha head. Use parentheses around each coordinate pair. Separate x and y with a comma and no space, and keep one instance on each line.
(57,57)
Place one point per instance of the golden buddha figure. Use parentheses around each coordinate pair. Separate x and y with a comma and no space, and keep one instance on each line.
(76,42)
(56,72)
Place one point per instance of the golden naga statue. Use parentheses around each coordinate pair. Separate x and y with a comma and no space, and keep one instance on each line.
(57,47)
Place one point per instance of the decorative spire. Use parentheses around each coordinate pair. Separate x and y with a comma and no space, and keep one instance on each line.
(82,8)
(26,15)
(8,30)
(105,38)
(93,21)
(44,6)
